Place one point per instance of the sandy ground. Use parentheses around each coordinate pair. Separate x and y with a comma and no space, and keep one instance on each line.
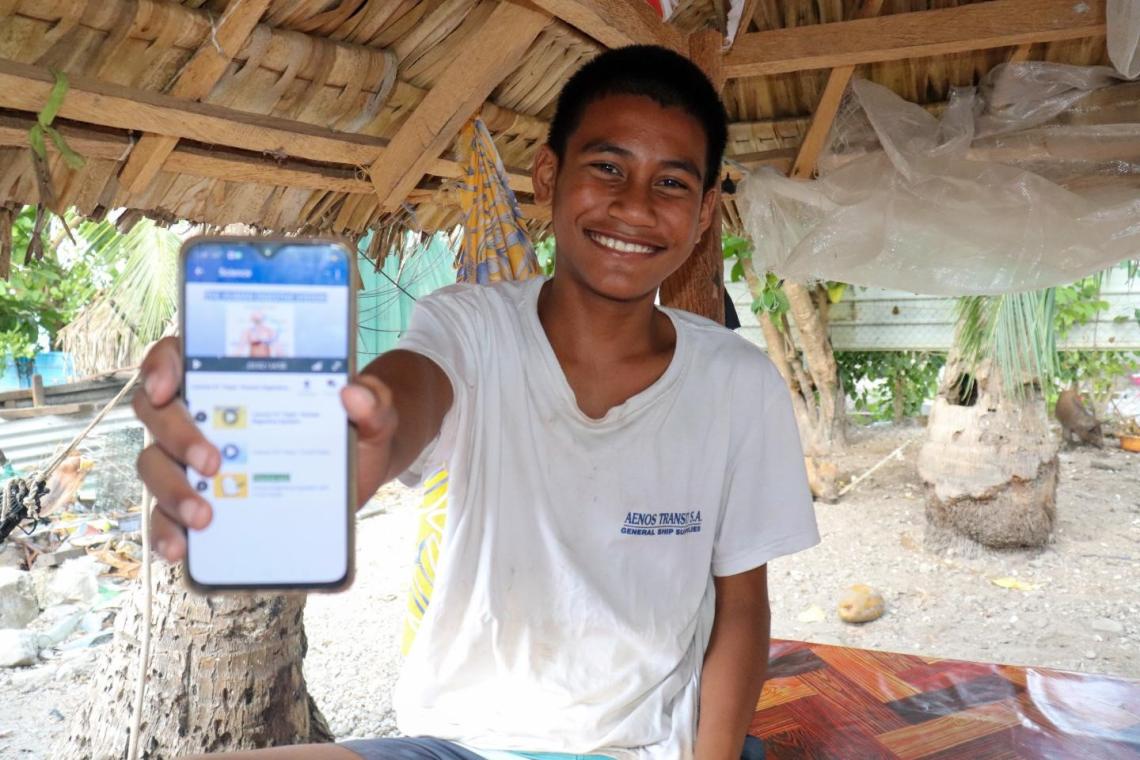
(1083,612)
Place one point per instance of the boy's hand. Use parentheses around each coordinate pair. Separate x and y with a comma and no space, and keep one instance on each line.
(368,401)
(178,442)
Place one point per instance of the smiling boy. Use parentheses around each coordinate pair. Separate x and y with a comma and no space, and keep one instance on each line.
(620,474)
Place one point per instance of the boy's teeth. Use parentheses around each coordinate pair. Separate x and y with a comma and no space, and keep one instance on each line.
(620,245)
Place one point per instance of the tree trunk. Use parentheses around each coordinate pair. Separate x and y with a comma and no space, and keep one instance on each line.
(989,464)
(698,285)
(812,376)
(224,674)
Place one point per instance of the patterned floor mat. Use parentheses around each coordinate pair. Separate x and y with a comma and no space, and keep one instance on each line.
(853,704)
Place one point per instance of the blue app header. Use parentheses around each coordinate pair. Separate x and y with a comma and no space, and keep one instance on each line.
(267,263)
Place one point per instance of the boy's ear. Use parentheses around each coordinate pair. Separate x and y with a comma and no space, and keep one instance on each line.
(544,172)
(708,206)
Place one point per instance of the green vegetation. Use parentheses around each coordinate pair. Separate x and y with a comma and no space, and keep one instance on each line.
(911,377)
(42,296)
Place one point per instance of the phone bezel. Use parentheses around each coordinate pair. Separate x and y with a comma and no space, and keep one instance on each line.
(350,439)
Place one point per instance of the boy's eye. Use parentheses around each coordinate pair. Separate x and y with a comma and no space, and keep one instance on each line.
(605,167)
(673,183)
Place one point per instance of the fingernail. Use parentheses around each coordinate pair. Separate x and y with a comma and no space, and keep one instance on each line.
(161,546)
(198,457)
(189,509)
(150,384)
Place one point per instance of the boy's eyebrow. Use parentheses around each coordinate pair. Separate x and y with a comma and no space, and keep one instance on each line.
(604,146)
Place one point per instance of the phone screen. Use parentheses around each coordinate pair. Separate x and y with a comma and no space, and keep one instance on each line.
(267,350)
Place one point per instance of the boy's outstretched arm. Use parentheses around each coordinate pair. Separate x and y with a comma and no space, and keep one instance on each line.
(415,395)
(735,664)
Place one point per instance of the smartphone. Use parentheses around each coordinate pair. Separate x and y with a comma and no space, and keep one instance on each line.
(267,340)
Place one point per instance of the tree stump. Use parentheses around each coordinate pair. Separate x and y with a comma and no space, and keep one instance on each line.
(224,674)
(989,465)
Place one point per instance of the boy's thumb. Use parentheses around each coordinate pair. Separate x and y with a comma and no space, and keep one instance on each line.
(368,402)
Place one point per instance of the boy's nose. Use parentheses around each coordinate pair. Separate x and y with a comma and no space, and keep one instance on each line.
(634,206)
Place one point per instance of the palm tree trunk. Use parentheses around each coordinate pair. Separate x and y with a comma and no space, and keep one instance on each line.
(812,376)
(989,464)
(224,674)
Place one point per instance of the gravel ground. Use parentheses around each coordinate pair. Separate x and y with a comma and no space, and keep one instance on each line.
(354,637)
(1083,612)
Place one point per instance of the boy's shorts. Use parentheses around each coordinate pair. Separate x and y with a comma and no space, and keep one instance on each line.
(427,748)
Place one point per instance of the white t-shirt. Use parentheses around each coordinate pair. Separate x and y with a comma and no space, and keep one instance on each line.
(574,595)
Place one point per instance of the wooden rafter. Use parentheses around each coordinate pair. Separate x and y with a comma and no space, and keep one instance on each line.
(194,82)
(482,62)
(828,107)
(226,164)
(978,26)
(746,14)
(26,88)
(616,23)
(1020,54)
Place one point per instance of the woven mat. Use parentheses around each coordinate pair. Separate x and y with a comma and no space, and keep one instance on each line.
(853,704)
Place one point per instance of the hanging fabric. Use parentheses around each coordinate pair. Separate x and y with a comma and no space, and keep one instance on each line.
(495,244)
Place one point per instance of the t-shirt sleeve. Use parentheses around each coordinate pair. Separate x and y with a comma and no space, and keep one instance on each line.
(768,510)
(442,329)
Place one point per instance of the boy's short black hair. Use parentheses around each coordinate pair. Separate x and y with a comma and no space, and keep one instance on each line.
(669,79)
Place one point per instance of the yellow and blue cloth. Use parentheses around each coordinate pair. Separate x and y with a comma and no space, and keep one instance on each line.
(495,247)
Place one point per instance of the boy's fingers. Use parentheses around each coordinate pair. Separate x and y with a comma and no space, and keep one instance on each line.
(176,433)
(175,497)
(162,371)
(167,537)
(368,402)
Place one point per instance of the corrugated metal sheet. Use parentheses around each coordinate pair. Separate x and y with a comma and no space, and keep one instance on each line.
(28,443)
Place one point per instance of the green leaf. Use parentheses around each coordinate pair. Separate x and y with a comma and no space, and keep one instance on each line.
(737,273)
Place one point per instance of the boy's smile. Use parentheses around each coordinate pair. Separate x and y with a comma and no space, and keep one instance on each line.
(628,199)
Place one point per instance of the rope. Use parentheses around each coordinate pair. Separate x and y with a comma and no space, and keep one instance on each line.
(880,463)
(26,492)
(148,596)
(64,452)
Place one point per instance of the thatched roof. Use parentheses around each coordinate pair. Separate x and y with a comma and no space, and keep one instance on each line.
(340,115)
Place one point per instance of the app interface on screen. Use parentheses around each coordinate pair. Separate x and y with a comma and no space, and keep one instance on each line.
(266,342)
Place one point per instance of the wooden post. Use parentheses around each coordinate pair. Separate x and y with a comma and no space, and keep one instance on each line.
(38,398)
(698,286)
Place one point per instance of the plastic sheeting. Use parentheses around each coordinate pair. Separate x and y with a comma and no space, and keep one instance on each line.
(1124,36)
(828,701)
(1030,180)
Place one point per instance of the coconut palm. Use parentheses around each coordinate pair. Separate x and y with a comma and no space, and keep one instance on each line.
(990,459)
(114,330)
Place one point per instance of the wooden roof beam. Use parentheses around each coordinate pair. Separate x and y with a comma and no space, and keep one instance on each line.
(485,58)
(26,88)
(194,82)
(827,108)
(220,164)
(978,26)
(617,23)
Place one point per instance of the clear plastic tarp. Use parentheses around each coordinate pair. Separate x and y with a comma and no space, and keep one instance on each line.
(1030,180)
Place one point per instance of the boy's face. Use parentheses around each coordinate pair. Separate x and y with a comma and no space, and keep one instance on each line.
(627,200)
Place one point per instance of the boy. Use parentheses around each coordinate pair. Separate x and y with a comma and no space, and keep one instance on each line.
(620,474)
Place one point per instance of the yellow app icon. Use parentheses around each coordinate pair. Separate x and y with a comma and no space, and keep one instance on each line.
(231,485)
(230,417)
